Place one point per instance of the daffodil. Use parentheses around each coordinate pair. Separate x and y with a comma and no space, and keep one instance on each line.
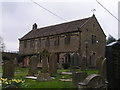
(6,83)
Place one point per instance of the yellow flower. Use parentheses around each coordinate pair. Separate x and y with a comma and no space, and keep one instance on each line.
(6,83)
(4,79)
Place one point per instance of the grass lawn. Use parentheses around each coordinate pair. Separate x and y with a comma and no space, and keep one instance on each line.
(30,83)
(56,83)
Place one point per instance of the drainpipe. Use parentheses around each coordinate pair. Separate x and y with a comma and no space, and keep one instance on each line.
(79,48)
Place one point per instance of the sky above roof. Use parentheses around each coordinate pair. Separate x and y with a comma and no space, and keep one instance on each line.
(18,16)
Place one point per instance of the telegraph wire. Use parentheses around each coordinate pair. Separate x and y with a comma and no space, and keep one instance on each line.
(108,11)
(48,10)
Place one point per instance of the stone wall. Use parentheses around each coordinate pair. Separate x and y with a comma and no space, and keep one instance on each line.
(73,46)
(93,49)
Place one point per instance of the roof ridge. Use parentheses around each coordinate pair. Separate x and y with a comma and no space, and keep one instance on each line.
(64,23)
(56,29)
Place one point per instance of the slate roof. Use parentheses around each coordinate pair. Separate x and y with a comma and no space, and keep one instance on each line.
(56,29)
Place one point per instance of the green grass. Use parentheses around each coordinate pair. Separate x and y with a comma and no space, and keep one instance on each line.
(56,83)
(0,69)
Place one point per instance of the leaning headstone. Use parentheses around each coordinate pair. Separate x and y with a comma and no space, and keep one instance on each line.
(8,69)
(99,62)
(103,69)
(33,66)
(93,81)
(78,77)
(53,64)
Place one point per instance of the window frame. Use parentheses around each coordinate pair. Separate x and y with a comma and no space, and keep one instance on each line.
(47,43)
(57,41)
(67,39)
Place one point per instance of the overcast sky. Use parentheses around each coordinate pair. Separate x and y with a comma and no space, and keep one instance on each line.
(18,16)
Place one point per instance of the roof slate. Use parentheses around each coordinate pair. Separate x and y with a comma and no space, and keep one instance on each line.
(55,29)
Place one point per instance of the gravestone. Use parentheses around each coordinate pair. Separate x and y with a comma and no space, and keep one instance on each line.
(99,63)
(8,69)
(113,64)
(93,81)
(33,66)
(75,62)
(101,66)
(103,69)
(83,63)
(78,77)
(53,64)
(44,55)
(44,76)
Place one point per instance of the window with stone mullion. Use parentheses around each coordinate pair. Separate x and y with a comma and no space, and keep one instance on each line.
(67,39)
(57,41)
(47,42)
(39,43)
(32,43)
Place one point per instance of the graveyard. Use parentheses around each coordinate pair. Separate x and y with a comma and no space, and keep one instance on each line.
(20,73)
(104,76)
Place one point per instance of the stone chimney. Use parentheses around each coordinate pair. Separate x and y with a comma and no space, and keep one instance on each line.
(34,26)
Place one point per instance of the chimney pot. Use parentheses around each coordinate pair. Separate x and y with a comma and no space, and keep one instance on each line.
(34,26)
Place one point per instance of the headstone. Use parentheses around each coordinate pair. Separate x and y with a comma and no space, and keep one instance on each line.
(44,55)
(103,69)
(83,63)
(99,63)
(101,66)
(53,64)
(44,77)
(75,61)
(8,69)
(92,81)
(33,66)
(78,77)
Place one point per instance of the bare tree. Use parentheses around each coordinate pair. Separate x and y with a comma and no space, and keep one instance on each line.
(2,45)
(110,39)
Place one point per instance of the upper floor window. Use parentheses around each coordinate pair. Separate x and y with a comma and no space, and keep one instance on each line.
(93,39)
(32,43)
(57,41)
(47,42)
(67,39)
(93,25)
(39,43)
(25,43)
